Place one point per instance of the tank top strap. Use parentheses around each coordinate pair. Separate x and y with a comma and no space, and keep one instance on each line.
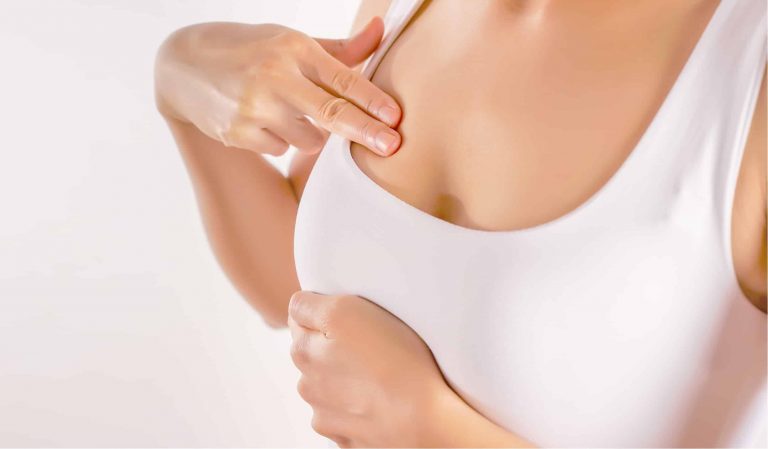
(736,70)
(714,96)
(396,18)
(697,151)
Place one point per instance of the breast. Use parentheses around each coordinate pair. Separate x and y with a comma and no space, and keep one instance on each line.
(578,333)
(615,322)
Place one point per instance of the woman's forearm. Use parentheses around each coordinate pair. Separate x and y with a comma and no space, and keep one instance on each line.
(454,423)
(248,209)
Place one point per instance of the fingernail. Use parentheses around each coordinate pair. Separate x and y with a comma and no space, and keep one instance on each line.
(388,114)
(385,142)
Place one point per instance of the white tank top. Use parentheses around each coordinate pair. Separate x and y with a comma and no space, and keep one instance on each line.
(620,323)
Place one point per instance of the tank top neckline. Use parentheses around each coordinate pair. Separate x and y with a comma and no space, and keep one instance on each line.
(671,99)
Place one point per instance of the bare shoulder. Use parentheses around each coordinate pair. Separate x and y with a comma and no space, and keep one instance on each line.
(301,163)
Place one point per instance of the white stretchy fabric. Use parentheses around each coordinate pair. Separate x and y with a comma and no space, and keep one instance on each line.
(618,324)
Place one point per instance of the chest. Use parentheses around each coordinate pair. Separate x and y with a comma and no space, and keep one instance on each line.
(603,333)
(498,110)
(615,327)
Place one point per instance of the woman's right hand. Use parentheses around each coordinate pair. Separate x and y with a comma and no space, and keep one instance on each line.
(251,86)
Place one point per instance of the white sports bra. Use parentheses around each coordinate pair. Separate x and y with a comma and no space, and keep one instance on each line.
(620,323)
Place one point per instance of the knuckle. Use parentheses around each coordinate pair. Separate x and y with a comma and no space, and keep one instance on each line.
(368,131)
(299,353)
(260,92)
(369,104)
(320,424)
(290,39)
(331,110)
(253,105)
(304,388)
(232,135)
(294,303)
(343,81)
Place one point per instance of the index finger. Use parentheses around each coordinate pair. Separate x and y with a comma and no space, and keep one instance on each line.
(340,116)
(335,77)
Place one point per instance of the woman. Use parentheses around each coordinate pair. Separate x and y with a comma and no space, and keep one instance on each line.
(494,282)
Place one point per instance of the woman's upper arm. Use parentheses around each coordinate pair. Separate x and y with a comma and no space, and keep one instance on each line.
(301,164)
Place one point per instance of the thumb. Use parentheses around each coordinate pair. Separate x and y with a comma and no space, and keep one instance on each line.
(353,50)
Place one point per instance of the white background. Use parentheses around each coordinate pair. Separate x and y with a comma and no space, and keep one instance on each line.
(117,327)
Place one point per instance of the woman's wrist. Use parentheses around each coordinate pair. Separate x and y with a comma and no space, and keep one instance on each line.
(451,422)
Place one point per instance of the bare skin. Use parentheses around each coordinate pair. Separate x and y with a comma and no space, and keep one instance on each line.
(236,191)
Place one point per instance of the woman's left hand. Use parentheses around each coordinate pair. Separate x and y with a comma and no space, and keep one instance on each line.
(370,379)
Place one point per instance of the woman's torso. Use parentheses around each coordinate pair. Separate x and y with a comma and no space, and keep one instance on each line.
(509,108)
(611,316)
